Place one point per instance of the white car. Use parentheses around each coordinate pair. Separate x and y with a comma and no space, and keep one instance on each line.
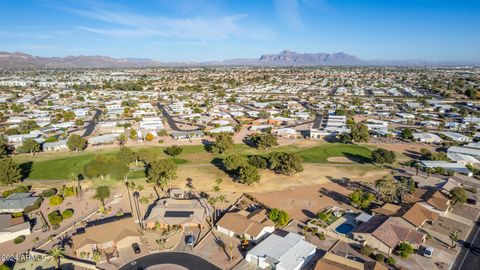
(428,252)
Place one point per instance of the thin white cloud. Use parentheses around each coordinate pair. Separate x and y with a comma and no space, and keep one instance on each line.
(289,12)
(128,24)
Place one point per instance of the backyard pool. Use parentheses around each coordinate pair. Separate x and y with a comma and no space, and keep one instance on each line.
(344,228)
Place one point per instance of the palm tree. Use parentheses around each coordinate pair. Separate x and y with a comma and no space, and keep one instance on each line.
(122,139)
(127,185)
(454,238)
(56,254)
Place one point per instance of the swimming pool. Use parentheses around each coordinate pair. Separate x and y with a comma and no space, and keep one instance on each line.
(344,228)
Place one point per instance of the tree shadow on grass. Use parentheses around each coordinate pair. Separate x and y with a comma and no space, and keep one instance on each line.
(26,169)
(357,158)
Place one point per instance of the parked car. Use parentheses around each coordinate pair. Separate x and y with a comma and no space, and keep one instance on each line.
(471,201)
(428,252)
(190,239)
(136,248)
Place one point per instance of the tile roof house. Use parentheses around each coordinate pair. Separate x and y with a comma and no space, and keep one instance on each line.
(11,228)
(252,225)
(106,238)
(432,199)
(385,233)
(282,251)
(16,202)
(417,215)
(388,209)
(333,261)
(177,212)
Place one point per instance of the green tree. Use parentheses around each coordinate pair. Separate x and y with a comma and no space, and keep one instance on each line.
(173,150)
(10,172)
(458,195)
(223,142)
(161,172)
(264,140)
(248,174)
(344,138)
(361,198)
(279,217)
(133,134)
(127,155)
(57,254)
(233,162)
(405,249)
(407,134)
(30,146)
(122,139)
(285,163)
(382,156)
(454,237)
(388,188)
(258,161)
(102,193)
(76,143)
(79,122)
(359,132)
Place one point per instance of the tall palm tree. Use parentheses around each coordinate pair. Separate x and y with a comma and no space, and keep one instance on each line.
(57,254)
(127,185)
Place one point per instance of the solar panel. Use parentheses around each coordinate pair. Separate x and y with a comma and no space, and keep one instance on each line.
(178,214)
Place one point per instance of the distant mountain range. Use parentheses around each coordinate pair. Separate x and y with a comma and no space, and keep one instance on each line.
(285,58)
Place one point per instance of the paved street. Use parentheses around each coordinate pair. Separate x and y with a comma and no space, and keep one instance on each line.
(469,257)
(186,260)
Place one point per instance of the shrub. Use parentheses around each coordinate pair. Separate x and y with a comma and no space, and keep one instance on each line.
(390,261)
(18,189)
(55,218)
(69,191)
(278,216)
(36,205)
(18,214)
(379,257)
(19,239)
(55,200)
(49,192)
(405,250)
(68,213)
(321,236)
(366,250)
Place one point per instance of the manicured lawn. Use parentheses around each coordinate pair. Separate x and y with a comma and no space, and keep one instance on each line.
(59,166)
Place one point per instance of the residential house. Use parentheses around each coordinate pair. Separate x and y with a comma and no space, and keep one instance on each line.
(282,250)
(11,228)
(190,212)
(55,146)
(105,238)
(331,261)
(251,225)
(16,202)
(426,137)
(385,233)
(417,215)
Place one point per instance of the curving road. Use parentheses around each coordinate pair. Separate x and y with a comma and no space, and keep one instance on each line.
(186,260)
(173,123)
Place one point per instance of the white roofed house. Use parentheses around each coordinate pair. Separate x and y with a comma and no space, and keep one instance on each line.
(282,250)
(152,123)
(457,137)
(103,139)
(289,133)
(449,166)
(475,152)
(226,129)
(55,146)
(427,137)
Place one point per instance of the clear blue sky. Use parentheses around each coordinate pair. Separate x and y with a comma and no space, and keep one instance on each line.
(198,30)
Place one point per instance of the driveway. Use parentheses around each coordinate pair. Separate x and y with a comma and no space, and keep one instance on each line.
(186,260)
